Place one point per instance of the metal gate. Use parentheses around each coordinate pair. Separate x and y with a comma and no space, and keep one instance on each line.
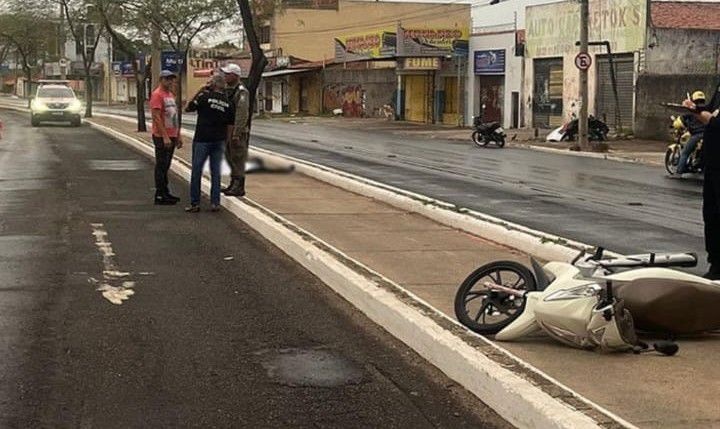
(548,93)
(605,104)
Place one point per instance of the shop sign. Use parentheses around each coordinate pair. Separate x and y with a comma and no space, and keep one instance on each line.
(553,29)
(373,45)
(490,62)
(171,60)
(431,41)
(432,63)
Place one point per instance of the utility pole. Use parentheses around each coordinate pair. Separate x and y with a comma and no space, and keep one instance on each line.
(583,119)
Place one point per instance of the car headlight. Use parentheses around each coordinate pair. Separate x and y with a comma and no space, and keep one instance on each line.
(39,106)
(584,291)
(75,106)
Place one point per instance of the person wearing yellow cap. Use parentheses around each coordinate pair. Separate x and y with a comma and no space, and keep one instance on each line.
(696,129)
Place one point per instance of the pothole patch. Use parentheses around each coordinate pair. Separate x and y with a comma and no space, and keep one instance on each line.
(310,368)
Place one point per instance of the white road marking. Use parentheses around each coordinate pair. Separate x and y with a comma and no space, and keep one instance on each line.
(123,289)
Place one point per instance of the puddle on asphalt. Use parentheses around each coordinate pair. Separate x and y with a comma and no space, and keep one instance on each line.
(310,368)
(116,164)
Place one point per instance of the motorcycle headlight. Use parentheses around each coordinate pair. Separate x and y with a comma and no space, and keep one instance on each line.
(584,291)
(75,105)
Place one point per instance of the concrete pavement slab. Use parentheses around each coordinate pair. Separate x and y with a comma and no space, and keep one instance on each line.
(406,222)
(647,390)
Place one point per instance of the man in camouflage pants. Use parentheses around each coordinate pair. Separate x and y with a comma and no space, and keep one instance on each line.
(236,147)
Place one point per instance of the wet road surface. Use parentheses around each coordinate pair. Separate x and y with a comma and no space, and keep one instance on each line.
(624,207)
(216,327)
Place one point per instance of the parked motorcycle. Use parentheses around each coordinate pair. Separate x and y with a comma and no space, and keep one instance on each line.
(597,130)
(680,136)
(487,132)
(592,302)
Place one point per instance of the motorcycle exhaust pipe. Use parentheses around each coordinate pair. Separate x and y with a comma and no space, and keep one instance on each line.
(507,290)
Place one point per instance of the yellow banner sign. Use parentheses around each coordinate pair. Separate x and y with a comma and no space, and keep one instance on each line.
(553,29)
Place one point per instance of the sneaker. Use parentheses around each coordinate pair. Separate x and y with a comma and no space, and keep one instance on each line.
(161,200)
(214,208)
(194,208)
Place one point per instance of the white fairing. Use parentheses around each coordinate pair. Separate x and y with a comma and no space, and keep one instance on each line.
(526,323)
(555,135)
(657,273)
(566,313)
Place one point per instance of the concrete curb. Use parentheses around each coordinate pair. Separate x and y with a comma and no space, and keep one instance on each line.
(470,360)
(536,243)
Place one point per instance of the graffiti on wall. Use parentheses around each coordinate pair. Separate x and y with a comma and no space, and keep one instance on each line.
(349,98)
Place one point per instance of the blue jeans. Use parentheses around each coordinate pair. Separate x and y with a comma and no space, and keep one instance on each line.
(687,151)
(201,151)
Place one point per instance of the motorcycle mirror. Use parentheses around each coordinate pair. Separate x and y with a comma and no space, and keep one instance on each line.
(668,348)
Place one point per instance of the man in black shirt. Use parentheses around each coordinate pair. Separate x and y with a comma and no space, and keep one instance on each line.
(216,115)
(711,185)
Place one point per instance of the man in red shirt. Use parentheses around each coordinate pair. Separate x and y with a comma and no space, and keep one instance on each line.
(165,133)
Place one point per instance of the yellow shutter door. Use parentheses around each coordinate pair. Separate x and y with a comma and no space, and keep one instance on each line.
(416,98)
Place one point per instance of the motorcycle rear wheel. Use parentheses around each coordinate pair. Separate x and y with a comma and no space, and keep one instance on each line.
(672,156)
(478,139)
(501,308)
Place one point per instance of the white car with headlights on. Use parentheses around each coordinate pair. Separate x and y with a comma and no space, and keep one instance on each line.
(55,102)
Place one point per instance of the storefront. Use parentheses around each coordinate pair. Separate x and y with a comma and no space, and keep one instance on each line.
(489,66)
(417,77)
(547,92)
(552,77)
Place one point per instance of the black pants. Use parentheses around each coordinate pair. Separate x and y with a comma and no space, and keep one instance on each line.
(163,158)
(711,216)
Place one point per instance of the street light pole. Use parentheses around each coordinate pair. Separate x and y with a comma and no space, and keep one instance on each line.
(583,119)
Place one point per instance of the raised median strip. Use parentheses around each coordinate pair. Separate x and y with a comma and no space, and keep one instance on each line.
(520,393)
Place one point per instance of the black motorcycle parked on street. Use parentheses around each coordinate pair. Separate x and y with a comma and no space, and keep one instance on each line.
(487,132)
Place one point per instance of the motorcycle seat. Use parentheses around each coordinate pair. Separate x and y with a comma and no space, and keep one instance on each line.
(672,306)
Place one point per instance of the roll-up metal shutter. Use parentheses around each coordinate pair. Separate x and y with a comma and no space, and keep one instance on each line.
(605,104)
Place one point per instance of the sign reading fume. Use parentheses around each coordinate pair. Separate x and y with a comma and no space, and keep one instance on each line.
(430,63)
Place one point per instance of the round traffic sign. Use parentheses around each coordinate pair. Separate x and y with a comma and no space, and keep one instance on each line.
(63,62)
(583,61)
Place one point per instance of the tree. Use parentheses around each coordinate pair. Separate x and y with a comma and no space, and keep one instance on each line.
(259,61)
(112,13)
(179,22)
(81,19)
(28,31)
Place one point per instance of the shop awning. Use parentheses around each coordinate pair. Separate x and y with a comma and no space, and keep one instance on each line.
(284,72)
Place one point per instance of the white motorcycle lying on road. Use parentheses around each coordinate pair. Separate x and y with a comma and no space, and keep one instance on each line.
(592,302)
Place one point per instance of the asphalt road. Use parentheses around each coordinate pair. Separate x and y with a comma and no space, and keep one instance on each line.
(625,207)
(218,328)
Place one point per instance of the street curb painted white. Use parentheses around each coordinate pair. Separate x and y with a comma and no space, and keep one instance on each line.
(533,242)
(408,318)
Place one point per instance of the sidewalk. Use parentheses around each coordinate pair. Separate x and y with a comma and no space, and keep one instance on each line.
(643,151)
(430,260)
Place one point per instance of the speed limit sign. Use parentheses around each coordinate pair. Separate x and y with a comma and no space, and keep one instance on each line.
(583,61)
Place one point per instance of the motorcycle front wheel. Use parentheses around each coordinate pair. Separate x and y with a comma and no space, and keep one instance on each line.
(672,156)
(478,139)
(486,311)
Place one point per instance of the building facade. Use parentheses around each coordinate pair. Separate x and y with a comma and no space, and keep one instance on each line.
(362,57)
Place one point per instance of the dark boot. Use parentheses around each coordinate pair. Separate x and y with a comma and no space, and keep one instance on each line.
(170,196)
(163,200)
(232,182)
(713,273)
(237,189)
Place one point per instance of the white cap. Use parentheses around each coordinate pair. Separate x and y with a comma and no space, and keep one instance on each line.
(232,68)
